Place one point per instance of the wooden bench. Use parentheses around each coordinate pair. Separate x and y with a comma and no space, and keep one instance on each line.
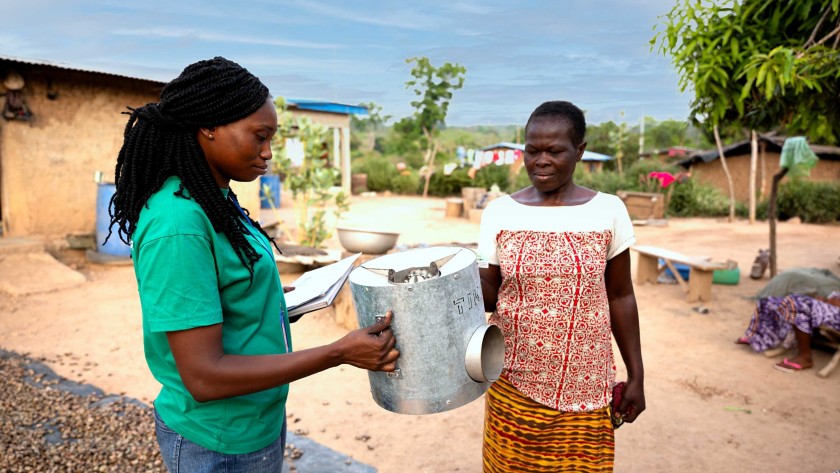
(701,270)
(831,339)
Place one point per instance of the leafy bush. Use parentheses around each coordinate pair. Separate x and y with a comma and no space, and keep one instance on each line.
(812,201)
(636,176)
(760,209)
(358,162)
(694,199)
(521,181)
(442,185)
(743,210)
(607,182)
(408,182)
(380,172)
(492,174)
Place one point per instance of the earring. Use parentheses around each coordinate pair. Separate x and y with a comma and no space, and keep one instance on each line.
(210,137)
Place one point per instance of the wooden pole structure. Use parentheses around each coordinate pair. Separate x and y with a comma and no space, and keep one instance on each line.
(726,172)
(771,217)
(753,167)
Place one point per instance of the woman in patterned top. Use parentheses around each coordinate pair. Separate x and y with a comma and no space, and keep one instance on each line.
(555,272)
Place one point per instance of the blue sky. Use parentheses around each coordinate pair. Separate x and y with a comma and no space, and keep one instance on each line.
(595,53)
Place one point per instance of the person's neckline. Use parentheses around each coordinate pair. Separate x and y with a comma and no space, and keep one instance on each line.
(594,196)
(174,177)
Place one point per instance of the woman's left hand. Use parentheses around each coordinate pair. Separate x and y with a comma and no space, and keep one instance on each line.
(288,289)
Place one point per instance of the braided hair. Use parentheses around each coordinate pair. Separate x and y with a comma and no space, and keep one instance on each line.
(160,141)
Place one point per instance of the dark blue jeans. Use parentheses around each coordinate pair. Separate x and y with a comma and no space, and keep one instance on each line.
(182,456)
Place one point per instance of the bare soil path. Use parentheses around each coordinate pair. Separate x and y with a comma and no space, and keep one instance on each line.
(712,406)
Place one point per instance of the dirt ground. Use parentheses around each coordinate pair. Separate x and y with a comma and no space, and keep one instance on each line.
(711,405)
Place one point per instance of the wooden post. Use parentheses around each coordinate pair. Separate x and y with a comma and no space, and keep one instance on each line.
(345,158)
(771,217)
(726,172)
(337,162)
(430,159)
(762,148)
(753,166)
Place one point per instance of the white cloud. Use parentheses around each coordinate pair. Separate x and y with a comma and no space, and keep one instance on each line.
(517,55)
(403,17)
(174,32)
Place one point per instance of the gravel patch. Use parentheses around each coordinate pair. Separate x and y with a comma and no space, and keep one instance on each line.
(51,424)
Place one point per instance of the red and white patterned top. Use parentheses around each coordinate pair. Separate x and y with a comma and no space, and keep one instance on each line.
(552,305)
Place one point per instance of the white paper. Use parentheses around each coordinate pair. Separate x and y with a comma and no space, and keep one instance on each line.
(318,288)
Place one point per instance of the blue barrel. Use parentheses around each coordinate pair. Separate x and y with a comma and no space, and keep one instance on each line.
(269,191)
(115,246)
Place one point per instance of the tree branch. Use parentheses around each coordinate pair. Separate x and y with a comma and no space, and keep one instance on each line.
(817,28)
(836,39)
(826,38)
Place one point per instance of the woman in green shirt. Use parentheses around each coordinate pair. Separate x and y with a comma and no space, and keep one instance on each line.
(215,325)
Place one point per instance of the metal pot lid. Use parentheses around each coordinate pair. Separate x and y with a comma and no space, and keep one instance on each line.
(412,266)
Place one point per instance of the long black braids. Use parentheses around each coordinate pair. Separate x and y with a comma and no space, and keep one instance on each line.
(160,141)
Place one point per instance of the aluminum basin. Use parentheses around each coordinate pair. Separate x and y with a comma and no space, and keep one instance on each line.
(356,240)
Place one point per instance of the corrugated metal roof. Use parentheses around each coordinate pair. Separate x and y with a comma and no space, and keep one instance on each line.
(316,105)
(773,143)
(60,65)
(593,156)
(505,144)
(587,155)
(329,107)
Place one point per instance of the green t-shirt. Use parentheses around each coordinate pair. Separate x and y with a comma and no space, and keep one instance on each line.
(188,276)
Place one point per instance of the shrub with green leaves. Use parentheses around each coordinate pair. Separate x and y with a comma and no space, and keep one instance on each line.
(521,181)
(407,183)
(607,182)
(380,172)
(694,199)
(492,174)
(811,201)
(636,176)
(442,185)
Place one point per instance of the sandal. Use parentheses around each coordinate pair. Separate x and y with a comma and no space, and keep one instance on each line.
(762,261)
(789,367)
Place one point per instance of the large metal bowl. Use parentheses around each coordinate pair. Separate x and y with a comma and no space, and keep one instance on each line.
(357,240)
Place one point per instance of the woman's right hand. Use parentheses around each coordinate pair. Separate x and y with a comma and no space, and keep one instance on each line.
(371,348)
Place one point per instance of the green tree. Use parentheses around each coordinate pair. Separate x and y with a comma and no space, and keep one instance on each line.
(665,134)
(311,182)
(618,137)
(405,142)
(602,138)
(434,88)
(599,138)
(694,39)
(764,65)
(767,65)
(369,124)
